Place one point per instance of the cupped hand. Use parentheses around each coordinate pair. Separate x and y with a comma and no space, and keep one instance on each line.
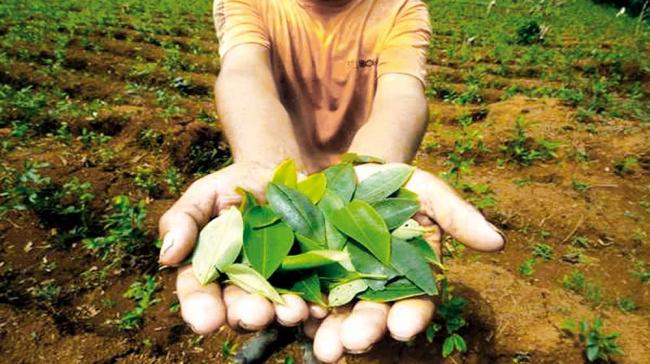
(357,329)
(207,307)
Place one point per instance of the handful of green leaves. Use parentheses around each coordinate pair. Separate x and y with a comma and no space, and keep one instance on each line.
(328,233)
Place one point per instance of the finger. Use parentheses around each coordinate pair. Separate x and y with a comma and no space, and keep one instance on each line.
(317,311)
(328,347)
(409,317)
(231,294)
(455,216)
(179,226)
(364,327)
(293,312)
(250,312)
(201,306)
(311,326)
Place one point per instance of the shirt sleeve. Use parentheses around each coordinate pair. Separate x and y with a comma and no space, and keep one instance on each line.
(406,46)
(238,22)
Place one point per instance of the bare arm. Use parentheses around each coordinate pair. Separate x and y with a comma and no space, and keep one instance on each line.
(256,123)
(397,121)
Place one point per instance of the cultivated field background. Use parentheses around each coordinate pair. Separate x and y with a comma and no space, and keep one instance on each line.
(106,115)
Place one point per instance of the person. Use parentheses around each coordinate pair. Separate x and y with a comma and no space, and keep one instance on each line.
(311,80)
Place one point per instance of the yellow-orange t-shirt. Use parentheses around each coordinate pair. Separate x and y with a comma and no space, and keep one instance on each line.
(327,56)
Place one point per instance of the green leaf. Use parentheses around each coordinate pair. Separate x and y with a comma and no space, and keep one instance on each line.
(408,261)
(427,251)
(394,291)
(408,230)
(313,187)
(265,248)
(218,245)
(361,222)
(383,183)
(344,293)
(459,343)
(360,159)
(329,204)
(248,200)
(309,288)
(307,244)
(592,352)
(260,216)
(342,180)
(251,281)
(317,258)
(286,174)
(447,346)
(364,262)
(396,211)
(407,194)
(297,211)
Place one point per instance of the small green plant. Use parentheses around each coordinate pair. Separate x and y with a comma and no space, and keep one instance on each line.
(150,139)
(626,304)
(580,186)
(228,348)
(146,178)
(47,291)
(625,166)
(523,150)
(544,251)
(91,139)
(527,268)
(645,204)
(580,241)
(578,283)
(124,228)
(142,293)
(529,32)
(450,317)
(597,344)
(173,179)
(468,145)
(641,271)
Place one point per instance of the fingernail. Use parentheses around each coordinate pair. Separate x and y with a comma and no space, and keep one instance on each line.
(168,242)
(498,231)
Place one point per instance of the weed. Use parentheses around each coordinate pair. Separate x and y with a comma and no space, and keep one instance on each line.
(646,205)
(47,291)
(641,272)
(581,241)
(527,268)
(124,228)
(141,292)
(577,282)
(150,139)
(173,179)
(626,304)
(597,344)
(450,317)
(91,139)
(522,150)
(529,32)
(228,348)
(544,251)
(146,178)
(580,186)
(625,166)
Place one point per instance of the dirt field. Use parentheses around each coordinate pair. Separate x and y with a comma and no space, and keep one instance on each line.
(550,139)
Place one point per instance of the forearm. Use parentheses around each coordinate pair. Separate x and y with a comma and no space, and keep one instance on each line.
(395,127)
(256,124)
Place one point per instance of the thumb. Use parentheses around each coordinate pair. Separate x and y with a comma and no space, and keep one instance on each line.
(179,226)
